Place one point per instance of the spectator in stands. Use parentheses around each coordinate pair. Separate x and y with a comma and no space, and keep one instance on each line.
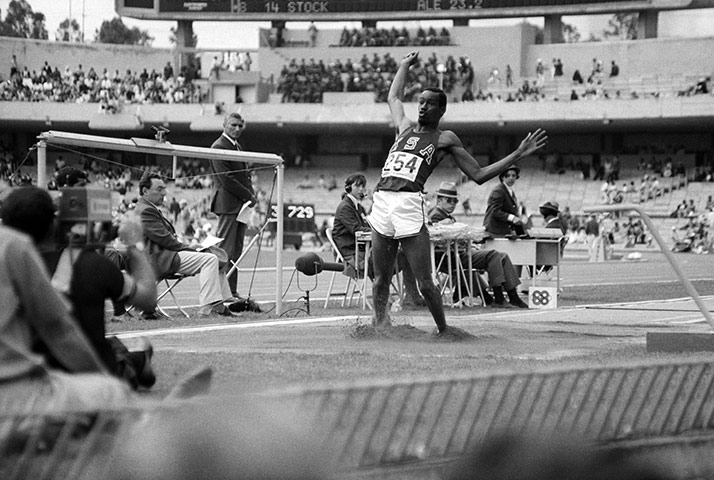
(592,232)
(540,73)
(502,275)
(233,190)
(558,70)
(31,309)
(168,255)
(397,216)
(312,33)
(509,76)
(614,69)
(577,77)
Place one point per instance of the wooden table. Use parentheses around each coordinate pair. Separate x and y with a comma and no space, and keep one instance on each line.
(530,252)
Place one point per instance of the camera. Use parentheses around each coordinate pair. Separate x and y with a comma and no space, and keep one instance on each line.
(84,217)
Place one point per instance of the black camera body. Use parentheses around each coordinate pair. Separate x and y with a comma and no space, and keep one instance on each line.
(84,206)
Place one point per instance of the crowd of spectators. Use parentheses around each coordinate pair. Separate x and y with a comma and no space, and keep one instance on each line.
(697,234)
(112,89)
(383,37)
(306,81)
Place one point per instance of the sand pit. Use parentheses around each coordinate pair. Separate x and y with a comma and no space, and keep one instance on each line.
(367,331)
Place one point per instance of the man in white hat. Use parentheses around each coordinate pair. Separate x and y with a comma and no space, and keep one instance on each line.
(502,274)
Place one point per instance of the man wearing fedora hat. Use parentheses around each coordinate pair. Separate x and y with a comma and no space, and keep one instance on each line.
(551,216)
(502,274)
(551,219)
(397,216)
(502,210)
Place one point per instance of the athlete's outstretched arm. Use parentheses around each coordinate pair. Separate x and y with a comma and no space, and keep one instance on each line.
(480,175)
(396,91)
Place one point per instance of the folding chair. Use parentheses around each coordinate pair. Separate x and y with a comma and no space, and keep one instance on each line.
(354,284)
(450,271)
(171,282)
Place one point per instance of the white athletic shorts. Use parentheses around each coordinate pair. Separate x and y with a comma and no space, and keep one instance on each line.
(397,214)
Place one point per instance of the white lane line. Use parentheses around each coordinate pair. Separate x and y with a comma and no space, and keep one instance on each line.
(233,326)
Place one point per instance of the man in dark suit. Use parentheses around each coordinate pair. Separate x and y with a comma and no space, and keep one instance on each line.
(351,217)
(233,189)
(168,255)
(502,275)
(552,219)
(502,212)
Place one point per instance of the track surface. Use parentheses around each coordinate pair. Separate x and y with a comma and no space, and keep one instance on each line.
(326,347)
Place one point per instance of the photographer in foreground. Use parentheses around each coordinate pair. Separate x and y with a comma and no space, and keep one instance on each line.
(30,310)
(86,277)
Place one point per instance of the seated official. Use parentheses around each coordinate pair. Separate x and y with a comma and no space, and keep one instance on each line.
(502,274)
(87,279)
(552,219)
(169,256)
(32,310)
(350,218)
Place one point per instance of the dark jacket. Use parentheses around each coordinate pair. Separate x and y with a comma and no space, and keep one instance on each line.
(348,220)
(500,205)
(232,183)
(162,244)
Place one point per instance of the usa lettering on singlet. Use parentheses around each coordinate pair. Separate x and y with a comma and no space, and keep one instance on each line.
(411,160)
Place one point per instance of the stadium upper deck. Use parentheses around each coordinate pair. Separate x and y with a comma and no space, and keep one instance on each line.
(354,129)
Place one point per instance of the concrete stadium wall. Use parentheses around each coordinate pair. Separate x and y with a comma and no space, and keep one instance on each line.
(670,56)
(34,53)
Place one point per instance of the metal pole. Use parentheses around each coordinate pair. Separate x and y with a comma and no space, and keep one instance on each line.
(279,243)
(42,164)
(663,247)
(174,167)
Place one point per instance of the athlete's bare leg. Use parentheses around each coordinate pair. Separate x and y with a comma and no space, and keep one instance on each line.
(384,253)
(418,251)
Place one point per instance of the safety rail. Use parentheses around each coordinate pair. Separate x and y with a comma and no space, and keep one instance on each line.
(409,421)
(403,424)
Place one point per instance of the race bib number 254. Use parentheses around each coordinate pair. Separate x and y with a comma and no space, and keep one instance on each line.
(402,165)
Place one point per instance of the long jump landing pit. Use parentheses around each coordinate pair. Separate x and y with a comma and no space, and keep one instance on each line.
(397,408)
(306,350)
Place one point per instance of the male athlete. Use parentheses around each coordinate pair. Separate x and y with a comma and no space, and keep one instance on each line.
(398,211)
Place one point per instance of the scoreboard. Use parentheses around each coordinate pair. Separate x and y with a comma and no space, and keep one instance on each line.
(329,10)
